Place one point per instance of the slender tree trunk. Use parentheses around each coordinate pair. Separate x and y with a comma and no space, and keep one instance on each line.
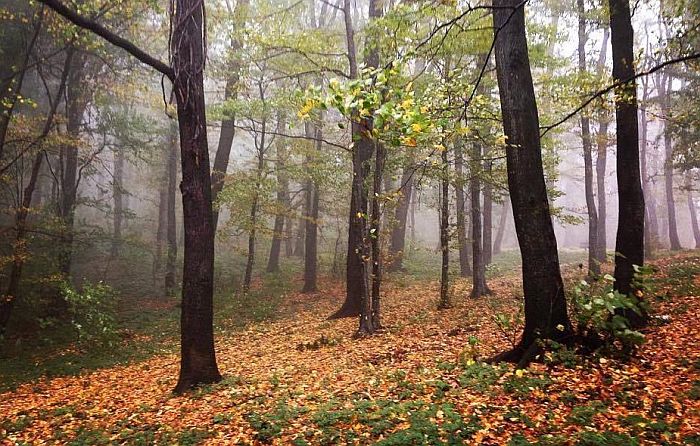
(162,224)
(311,238)
(488,214)
(170,283)
(601,160)
(665,94)
(465,269)
(273,262)
(299,239)
(397,245)
(117,195)
(649,236)
(289,235)
(629,243)
(545,304)
(445,234)
(375,234)
(228,125)
(593,262)
(692,210)
(479,286)
(198,359)
(254,212)
(501,226)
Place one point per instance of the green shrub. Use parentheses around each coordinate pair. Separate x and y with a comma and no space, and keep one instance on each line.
(598,311)
(92,312)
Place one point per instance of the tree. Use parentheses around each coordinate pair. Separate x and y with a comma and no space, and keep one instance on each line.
(629,243)
(197,356)
(545,305)
(465,269)
(593,262)
(665,83)
(479,287)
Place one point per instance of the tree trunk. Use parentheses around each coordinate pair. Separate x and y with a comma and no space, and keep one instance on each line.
(117,195)
(665,95)
(649,237)
(629,243)
(444,302)
(601,160)
(311,221)
(501,226)
(465,269)
(375,235)
(171,222)
(162,225)
(273,262)
(593,262)
(228,125)
(545,304)
(693,212)
(250,262)
(479,286)
(488,214)
(198,359)
(397,246)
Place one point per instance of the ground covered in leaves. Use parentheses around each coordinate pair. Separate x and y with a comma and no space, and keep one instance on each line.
(305,380)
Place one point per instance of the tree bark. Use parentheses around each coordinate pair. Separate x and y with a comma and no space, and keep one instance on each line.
(629,243)
(444,302)
(311,222)
(197,359)
(375,235)
(170,283)
(117,195)
(488,213)
(465,269)
(250,262)
(479,286)
(601,160)
(545,304)
(501,226)
(650,238)
(692,210)
(593,262)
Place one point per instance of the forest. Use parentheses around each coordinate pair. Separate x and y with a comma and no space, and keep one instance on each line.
(330,222)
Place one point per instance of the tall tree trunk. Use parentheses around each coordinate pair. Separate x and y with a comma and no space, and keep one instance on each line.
(250,262)
(593,262)
(356,271)
(649,237)
(311,221)
(117,195)
(601,159)
(397,246)
(465,269)
(692,210)
(545,304)
(479,286)
(198,359)
(445,234)
(375,234)
(228,125)
(502,220)
(162,224)
(665,95)
(488,214)
(629,243)
(19,249)
(171,222)
(273,262)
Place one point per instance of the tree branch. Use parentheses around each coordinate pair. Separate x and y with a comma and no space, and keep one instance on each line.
(114,39)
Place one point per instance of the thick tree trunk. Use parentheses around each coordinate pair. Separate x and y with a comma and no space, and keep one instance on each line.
(665,94)
(228,125)
(397,246)
(629,243)
(502,220)
(465,269)
(171,223)
(593,262)
(198,359)
(545,304)
(375,235)
(445,234)
(479,286)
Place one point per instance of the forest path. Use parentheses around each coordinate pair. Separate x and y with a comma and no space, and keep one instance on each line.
(305,380)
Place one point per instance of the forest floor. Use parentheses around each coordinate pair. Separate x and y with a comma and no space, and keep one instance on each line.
(303,379)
